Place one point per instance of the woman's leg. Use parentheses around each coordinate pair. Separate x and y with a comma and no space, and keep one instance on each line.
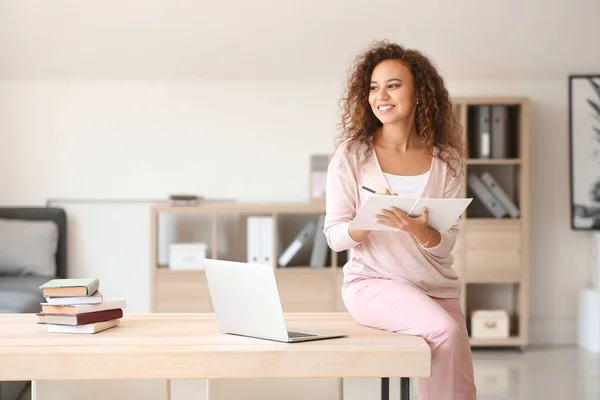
(403,308)
(464,375)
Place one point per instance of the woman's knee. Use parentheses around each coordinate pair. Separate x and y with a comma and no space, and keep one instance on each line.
(446,330)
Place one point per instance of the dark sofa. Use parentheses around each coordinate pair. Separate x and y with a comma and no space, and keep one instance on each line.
(19,292)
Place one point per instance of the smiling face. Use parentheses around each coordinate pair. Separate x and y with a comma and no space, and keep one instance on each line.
(392,94)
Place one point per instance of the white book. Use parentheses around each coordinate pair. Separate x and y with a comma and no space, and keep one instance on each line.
(107,304)
(89,328)
(67,301)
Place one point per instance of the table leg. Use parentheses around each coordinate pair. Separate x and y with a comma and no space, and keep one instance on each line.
(404,388)
(385,388)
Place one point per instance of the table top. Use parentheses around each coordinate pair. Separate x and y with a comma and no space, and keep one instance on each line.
(189,346)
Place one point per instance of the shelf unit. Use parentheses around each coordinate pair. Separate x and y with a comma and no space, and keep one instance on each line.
(302,288)
(491,254)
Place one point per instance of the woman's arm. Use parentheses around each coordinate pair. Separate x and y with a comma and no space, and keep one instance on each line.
(340,206)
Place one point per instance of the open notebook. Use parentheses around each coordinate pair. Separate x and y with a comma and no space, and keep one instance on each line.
(443,213)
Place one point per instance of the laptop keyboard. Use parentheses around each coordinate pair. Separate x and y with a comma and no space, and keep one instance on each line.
(299,334)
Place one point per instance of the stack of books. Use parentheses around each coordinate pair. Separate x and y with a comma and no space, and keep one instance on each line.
(77,306)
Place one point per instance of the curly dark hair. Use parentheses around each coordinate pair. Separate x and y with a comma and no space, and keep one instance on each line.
(434,120)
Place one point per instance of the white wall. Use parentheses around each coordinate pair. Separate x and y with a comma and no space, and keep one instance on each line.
(155,99)
(129,139)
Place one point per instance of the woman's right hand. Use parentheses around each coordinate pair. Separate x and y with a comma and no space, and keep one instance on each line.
(359,235)
(386,191)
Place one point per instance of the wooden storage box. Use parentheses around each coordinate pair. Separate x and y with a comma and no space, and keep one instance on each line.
(488,324)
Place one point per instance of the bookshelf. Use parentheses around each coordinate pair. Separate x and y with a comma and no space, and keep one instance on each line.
(492,251)
(491,254)
(302,288)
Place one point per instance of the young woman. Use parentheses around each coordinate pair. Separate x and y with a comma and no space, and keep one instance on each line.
(399,137)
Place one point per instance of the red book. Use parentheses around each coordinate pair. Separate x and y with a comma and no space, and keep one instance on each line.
(81,318)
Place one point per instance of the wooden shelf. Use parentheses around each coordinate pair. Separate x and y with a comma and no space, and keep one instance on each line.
(304,270)
(474,100)
(493,221)
(301,287)
(492,254)
(493,279)
(508,342)
(494,161)
(164,270)
(244,208)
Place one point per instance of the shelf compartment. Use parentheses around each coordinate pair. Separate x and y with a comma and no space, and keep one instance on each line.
(181,228)
(289,226)
(493,131)
(506,177)
(495,296)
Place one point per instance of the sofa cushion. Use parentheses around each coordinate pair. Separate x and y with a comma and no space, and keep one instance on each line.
(11,390)
(28,247)
(24,283)
(13,302)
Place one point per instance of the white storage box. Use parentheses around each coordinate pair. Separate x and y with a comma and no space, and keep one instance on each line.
(187,256)
(490,324)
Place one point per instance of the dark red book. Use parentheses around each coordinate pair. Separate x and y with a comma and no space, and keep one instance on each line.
(81,318)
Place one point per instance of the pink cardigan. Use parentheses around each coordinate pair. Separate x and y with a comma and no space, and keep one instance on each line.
(384,254)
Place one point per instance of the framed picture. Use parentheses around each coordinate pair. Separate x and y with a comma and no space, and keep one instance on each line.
(584,146)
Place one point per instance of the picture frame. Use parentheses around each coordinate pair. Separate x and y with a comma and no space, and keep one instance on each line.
(584,151)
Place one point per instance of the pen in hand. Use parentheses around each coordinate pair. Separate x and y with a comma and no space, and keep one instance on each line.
(368,189)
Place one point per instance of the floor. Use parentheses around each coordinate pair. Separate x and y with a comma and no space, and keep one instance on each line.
(538,373)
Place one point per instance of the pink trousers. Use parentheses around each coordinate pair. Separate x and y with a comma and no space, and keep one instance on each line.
(403,308)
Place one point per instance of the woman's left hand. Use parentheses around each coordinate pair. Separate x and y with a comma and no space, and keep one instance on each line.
(417,226)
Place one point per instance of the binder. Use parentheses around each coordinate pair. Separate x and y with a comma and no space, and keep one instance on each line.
(320,248)
(482,135)
(253,250)
(259,240)
(266,240)
(500,194)
(297,244)
(486,197)
(500,136)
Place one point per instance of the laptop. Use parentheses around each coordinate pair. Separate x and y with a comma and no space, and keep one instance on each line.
(246,302)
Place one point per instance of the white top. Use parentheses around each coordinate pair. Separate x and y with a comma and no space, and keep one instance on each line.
(407,186)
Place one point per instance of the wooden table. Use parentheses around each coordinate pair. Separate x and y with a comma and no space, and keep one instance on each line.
(189,346)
